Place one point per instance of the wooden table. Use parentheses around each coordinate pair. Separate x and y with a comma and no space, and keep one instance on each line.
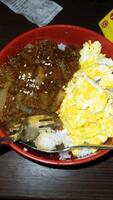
(21,178)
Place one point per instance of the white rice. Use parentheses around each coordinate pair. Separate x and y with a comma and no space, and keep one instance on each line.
(61,46)
(64,156)
(49,139)
(84,152)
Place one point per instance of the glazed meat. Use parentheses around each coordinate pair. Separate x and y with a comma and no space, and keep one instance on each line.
(33,81)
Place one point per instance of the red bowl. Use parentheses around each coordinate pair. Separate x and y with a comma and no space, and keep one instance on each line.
(60,33)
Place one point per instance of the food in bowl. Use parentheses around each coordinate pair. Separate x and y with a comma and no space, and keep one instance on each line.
(87,109)
(32,83)
(47,77)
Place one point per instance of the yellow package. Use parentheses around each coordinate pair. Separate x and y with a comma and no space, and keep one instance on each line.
(106,25)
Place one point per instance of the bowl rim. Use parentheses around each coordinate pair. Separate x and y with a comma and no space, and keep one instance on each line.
(24,34)
(71,162)
(43,160)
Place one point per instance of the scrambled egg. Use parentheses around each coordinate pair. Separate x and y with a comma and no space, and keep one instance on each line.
(87,109)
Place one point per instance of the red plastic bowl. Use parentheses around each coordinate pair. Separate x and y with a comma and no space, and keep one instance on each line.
(59,33)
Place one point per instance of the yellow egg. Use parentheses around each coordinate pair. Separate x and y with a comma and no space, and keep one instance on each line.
(100,100)
(96,72)
(90,53)
(107,81)
(87,109)
(107,125)
(109,108)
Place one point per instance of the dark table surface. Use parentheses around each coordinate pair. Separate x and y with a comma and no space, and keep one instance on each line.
(21,178)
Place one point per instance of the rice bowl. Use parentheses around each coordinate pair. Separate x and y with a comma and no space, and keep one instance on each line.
(82,38)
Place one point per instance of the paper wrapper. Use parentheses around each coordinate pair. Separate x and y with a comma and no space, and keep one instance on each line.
(39,12)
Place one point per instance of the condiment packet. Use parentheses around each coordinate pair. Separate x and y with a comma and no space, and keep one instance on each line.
(39,12)
(106,25)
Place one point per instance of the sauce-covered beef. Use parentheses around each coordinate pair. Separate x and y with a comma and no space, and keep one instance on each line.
(33,81)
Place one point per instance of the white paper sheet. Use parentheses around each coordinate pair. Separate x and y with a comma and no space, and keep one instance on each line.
(39,12)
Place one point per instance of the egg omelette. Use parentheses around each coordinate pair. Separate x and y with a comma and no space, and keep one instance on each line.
(87,109)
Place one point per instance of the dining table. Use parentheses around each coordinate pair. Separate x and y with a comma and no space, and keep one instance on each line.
(22,178)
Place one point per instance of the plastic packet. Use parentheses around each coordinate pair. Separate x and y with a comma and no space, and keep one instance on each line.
(106,25)
(39,12)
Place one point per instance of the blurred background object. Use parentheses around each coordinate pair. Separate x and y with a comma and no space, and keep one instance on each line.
(36,11)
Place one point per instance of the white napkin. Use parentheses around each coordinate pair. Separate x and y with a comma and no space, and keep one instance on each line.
(39,12)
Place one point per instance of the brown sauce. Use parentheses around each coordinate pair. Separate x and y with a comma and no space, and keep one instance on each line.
(33,81)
